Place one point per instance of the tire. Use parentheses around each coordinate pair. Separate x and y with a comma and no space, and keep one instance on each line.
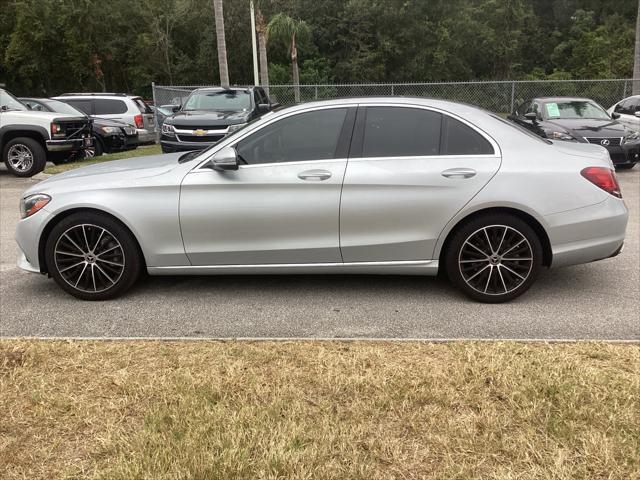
(95,151)
(626,166)
(24,157)
(92,256)
(478,268)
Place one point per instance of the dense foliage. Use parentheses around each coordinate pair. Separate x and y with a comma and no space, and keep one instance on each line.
(51,46)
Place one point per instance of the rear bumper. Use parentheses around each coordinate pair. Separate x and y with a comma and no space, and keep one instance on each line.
(587,234)
(146,137)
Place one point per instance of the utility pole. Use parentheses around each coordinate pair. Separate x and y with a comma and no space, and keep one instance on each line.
(254,48)
(221,43)
(636,63)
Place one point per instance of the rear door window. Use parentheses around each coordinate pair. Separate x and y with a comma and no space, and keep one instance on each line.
(401,132)
(143,107)
(109,106)
(84,105)
(460,139)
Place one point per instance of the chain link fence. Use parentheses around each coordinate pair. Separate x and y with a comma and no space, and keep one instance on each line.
(500,97)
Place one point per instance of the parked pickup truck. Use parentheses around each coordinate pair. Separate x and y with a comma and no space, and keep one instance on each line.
(28,139)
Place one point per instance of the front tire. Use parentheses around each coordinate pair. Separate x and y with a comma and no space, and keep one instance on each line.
(92,256)
(494,258)
(24,157)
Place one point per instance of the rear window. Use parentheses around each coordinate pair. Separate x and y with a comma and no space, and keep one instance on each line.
(401,132)
(109,106)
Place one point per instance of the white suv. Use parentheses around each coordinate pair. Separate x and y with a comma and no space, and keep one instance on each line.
(28,138)
(629,111)
(117,106)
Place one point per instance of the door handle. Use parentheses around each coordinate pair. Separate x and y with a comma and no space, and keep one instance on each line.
(459,173)
(314,175)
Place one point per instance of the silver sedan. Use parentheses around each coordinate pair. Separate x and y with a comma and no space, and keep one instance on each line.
(372,185)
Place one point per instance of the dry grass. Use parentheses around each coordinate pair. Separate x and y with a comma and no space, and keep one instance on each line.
(123,410)
(138,152)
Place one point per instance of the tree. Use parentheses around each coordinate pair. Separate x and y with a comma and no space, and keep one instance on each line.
(636,63)
(221,44)
(261,29)
(284,29)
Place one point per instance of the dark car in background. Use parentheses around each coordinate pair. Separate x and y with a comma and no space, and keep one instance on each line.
(109,135)
(209,114)
(580,120)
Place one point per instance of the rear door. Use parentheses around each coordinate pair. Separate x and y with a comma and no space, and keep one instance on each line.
(148,117)
(410,170)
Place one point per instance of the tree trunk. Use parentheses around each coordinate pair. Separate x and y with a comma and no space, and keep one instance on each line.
(296,73)
(636,63)
(221,44)
(261,28)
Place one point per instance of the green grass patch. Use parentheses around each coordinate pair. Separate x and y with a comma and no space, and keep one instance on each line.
(169,410)
(138,152)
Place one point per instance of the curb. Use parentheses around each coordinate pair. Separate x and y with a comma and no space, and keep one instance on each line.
(41,176)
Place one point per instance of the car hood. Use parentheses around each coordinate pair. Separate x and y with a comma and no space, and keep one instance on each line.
(582,127)
(203,118)
(118,171)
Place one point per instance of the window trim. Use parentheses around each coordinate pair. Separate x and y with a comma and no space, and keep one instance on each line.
(357,143)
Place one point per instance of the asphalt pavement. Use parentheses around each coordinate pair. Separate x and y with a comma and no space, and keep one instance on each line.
(600,300)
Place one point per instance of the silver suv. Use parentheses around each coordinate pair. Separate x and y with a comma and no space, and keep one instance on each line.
(117,106)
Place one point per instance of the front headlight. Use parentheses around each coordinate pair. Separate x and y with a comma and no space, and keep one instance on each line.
(168,130)
(32,204)
(632,137)
(560,136)
(110,129)
(235,128)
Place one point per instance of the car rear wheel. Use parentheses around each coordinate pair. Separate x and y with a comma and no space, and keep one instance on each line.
(494,258)
(92,256)
(24,157)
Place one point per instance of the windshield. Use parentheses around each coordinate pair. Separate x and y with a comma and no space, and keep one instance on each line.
(61,107)
(9,102)
(574,109)
(234,100)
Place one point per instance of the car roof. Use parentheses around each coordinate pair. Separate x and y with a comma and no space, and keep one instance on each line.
(564,99)
(97,95)
(223,89)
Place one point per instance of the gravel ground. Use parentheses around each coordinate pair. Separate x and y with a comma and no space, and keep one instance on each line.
(600,300)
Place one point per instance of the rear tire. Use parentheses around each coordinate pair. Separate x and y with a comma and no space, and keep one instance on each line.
(92,256)
(24,157)
(494,258)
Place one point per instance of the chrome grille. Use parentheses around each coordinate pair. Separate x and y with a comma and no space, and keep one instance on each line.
(613,141)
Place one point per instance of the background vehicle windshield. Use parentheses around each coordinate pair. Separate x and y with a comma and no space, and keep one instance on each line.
(61,107)
(9,102)
(574,109)
(234,100)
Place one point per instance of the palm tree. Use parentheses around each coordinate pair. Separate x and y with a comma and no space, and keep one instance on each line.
(261,29)
(636,63)
(282,28)
(221,43)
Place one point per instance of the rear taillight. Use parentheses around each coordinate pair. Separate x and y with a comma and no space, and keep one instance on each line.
(602,177)
(139,121)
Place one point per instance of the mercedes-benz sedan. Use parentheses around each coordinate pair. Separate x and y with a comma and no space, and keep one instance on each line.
(373,185)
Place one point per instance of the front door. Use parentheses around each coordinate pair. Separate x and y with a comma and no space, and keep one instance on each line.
(282,205)
(410,171)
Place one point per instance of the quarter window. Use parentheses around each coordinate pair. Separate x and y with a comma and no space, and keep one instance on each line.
(460,139)
(400,131)
(306,136)
(106,106)
(83,105)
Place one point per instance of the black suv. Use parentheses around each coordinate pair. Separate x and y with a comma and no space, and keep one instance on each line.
(208,114)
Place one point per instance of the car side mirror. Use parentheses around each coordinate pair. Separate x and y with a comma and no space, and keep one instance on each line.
(532,116)
(225,159)
(175,108)
(615,115)
(264,107)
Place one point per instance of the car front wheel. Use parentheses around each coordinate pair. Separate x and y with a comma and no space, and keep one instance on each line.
(92,256)
(24,157)
(494,258)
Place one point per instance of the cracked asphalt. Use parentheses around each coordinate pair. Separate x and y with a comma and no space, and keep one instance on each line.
(600,300)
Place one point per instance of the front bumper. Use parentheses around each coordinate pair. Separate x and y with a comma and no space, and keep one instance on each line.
(587,234)
(69,144)
(171,146)
(625,154)
(28,233)
(119,142)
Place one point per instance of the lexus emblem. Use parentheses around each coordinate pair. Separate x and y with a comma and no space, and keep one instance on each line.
(605,142)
